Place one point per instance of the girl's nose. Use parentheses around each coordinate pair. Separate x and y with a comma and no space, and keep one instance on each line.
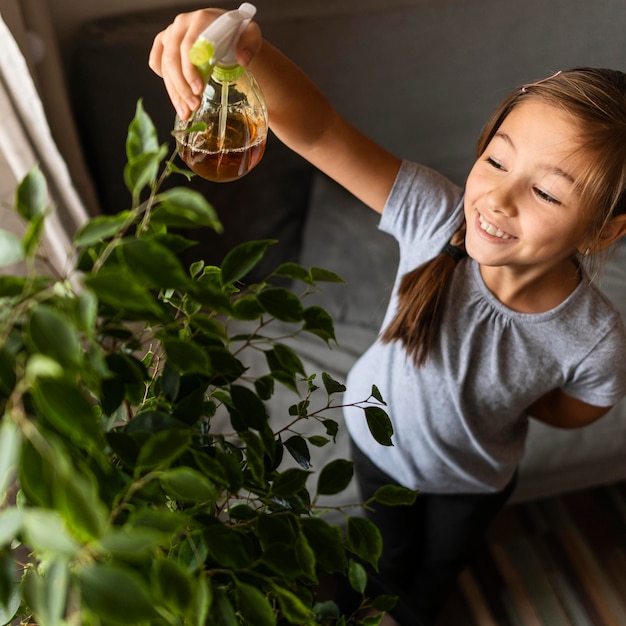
(502,199)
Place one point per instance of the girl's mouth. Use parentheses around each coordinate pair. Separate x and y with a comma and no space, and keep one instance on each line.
(492,230)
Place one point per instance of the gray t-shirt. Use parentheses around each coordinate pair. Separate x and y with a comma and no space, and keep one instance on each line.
(460,420)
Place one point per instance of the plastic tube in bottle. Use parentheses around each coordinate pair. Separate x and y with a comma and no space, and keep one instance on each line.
(225,138)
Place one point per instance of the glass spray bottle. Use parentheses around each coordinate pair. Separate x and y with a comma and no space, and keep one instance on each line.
(225,138)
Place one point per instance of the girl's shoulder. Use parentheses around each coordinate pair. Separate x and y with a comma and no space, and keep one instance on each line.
(423,205)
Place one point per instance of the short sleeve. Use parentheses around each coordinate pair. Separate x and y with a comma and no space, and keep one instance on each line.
(600,379)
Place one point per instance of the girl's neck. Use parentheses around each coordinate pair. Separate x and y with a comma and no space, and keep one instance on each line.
(528,291)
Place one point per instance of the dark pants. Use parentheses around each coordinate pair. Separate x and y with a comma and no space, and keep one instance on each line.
(426,545)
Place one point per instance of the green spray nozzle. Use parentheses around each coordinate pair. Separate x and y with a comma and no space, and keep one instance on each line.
(217,44)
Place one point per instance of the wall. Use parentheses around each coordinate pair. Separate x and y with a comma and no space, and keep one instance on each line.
(69,15)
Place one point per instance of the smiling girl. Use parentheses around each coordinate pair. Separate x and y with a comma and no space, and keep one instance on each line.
(493,318)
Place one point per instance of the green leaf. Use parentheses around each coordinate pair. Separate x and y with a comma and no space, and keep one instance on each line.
(193,551)
(11,249)
(186,357)
(247,308)
(227,547)
(384,603)
(297,447)
(292,607)
(143,170)
(165,522)
(127,368)
(132,544)
(379,424)
(174,583)
(264,386)
(11,520)
(254,452)
(241,259)
(9,589)
(33,235)
(86,311)
(394,495)
(224,367)
(222,611)
(376,394)
(318,441)
(142,135)
(36,472)
(101,227)
(327,611)
(250,408)
(282,358)
(10,445)
(254,606)
(332,427)
(357,576)
(318,322)
(46,531)
(77,500)
(51,333)
(232,468)
(153,263)
(331,385)
(294,271)
(68,410)
(116,593)
(13,286)
(188,485)
(326,541)
(122,291)
(289,482)
(335,477)
(152,422)
(184,208)
(198,608)
(320,275)
(46,592)
(306,558)
(364,539)
(208,325)
(31,195)
(282,304)
(161,449)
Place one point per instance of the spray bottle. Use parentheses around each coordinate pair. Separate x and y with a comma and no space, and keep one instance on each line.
(225,138)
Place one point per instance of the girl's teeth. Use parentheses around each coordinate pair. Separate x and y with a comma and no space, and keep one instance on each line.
(492,230)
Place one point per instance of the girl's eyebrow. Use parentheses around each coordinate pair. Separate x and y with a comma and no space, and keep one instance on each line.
(550,169)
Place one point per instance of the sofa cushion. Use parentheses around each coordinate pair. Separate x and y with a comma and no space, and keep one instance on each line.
(341,234)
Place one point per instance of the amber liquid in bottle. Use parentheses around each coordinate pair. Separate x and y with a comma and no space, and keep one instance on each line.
(241,149)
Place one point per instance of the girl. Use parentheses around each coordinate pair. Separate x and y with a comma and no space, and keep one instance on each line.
(492,319)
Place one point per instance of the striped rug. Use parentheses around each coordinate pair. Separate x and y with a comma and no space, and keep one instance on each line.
(551,562)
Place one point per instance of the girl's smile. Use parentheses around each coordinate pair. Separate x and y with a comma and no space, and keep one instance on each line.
(492,230)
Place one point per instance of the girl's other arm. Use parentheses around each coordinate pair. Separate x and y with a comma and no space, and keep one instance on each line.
(558,409)
(299,114)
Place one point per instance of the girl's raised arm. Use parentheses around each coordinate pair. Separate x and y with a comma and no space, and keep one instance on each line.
(299,114)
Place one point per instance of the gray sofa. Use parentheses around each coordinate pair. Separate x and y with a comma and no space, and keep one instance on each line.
(421,77)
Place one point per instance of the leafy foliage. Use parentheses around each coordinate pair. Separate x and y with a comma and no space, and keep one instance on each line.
(120,500)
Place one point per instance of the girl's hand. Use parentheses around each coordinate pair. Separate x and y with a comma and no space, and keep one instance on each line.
(169,56)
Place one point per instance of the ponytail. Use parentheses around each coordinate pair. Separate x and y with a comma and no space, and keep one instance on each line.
(421,301)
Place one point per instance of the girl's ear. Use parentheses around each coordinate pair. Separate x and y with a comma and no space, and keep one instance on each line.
(612,231)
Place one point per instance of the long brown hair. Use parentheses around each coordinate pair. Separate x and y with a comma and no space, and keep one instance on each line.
(596,98)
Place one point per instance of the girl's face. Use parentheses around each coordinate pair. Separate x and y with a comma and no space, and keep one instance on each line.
(521,204)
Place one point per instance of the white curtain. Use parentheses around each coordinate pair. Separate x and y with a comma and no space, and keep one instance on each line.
(26,138)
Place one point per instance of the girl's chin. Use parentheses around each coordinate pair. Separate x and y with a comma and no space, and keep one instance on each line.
(486,253)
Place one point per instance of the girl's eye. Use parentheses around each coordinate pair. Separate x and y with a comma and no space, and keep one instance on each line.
(546,197)
(494,163)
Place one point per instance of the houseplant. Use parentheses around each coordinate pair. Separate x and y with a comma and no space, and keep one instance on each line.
(119,502)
